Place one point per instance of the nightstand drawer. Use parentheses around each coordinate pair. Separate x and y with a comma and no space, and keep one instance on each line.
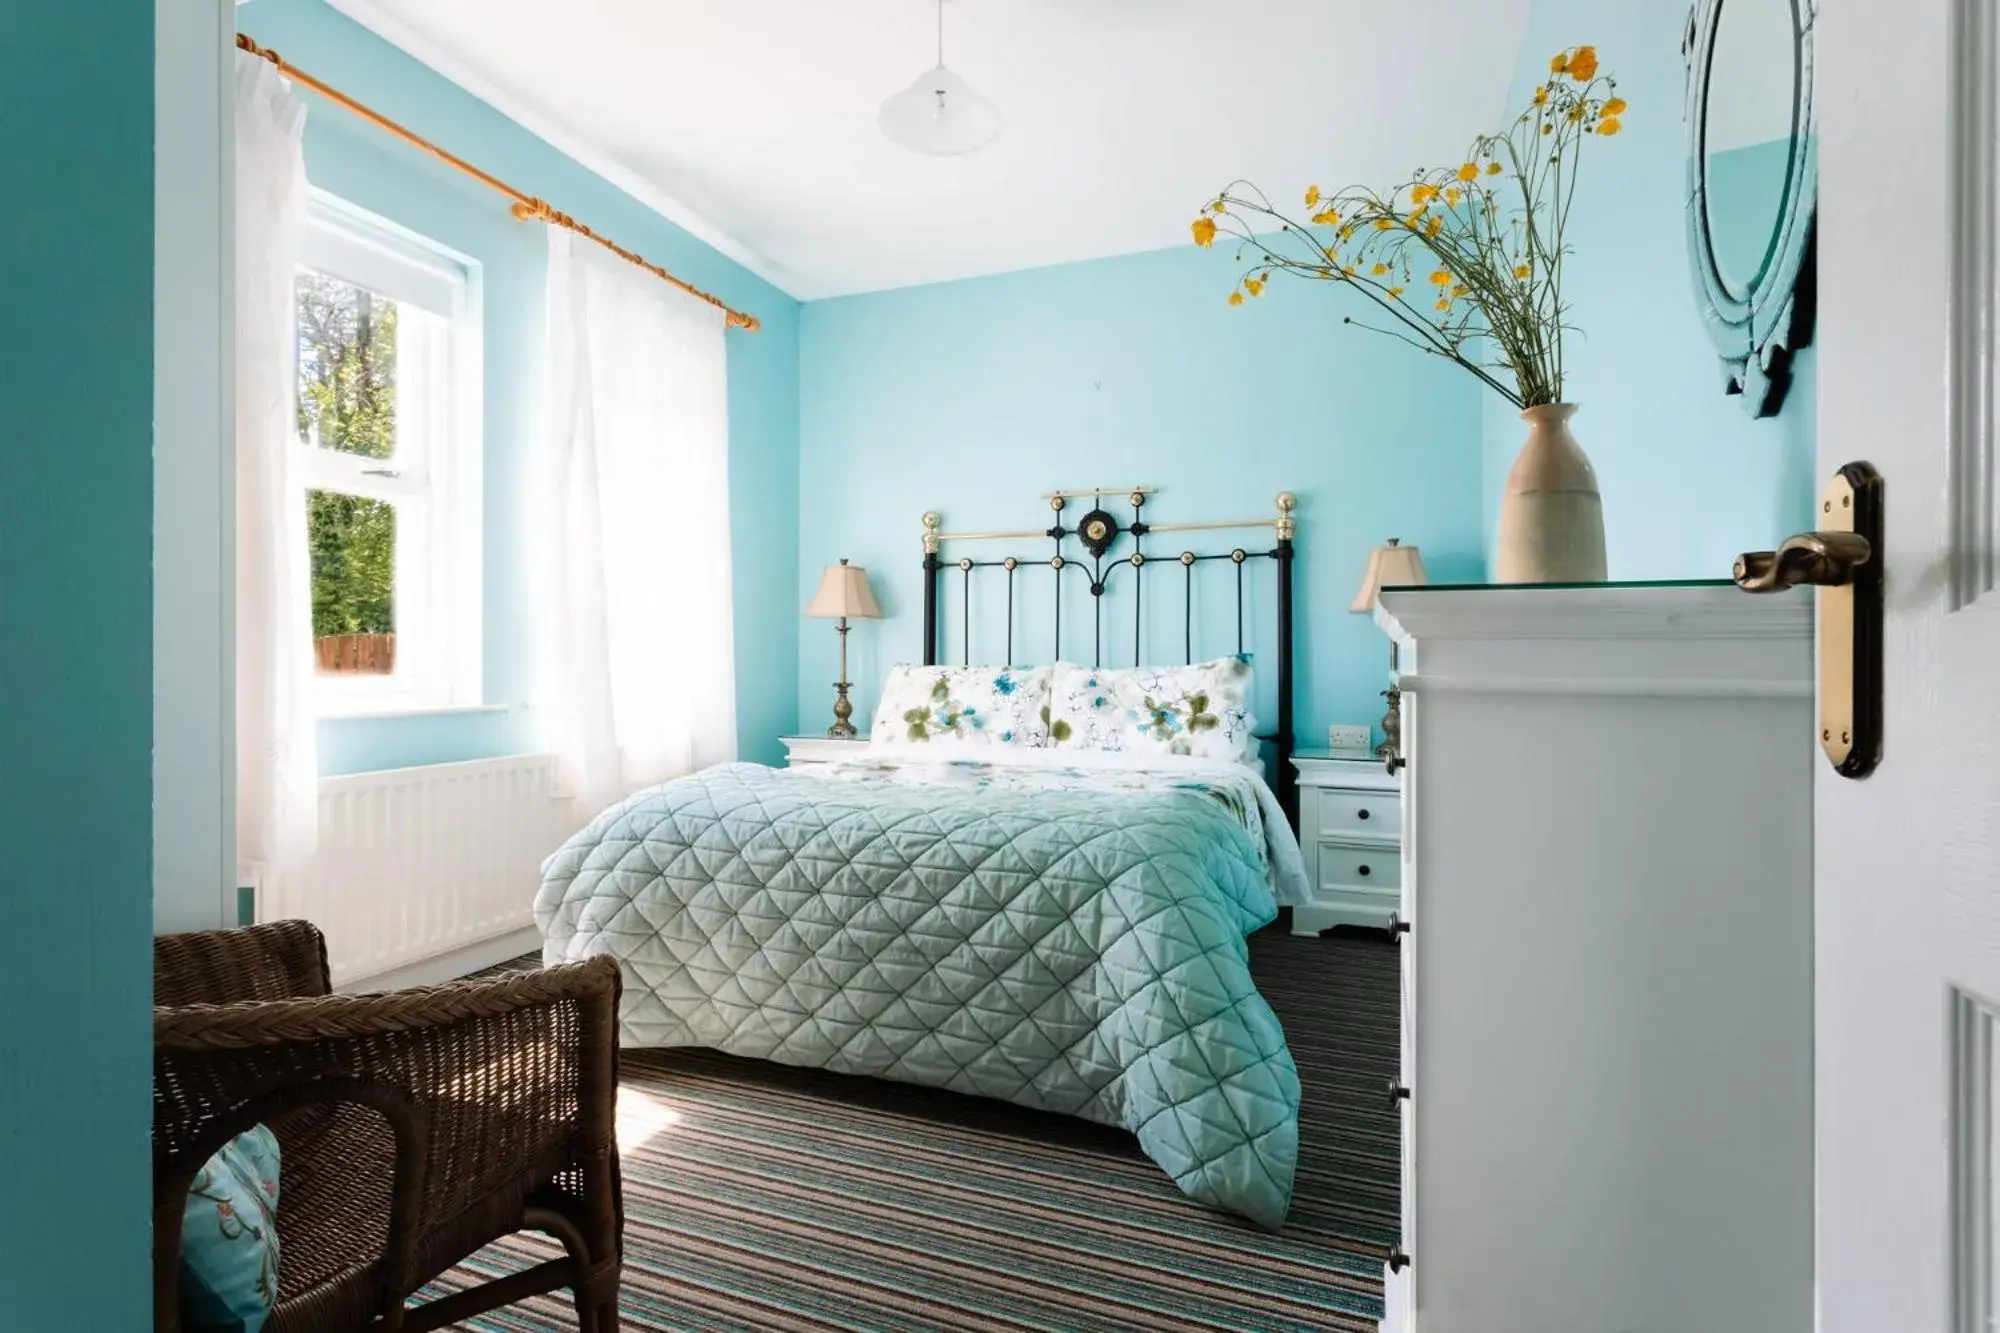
(1365,814)
(1342,866)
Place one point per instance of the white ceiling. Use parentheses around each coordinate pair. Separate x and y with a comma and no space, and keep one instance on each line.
(752,122)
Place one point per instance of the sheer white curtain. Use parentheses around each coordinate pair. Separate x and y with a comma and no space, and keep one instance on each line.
(277,777)
(639,671)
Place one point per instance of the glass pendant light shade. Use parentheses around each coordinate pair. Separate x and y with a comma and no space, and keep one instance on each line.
(939,115)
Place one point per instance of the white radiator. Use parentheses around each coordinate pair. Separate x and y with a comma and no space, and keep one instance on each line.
(423,864)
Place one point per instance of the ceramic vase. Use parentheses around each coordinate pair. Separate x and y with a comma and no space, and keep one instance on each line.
(1551,517)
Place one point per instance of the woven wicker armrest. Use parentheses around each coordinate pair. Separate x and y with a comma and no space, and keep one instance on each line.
(414,1125)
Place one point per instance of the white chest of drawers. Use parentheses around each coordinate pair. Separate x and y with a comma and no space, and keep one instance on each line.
(1606,1069)
(1351,831)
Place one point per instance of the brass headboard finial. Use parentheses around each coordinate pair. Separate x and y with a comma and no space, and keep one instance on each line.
(1287,525)
(932,522)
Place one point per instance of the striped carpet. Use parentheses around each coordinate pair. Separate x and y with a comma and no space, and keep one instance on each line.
(764,1197)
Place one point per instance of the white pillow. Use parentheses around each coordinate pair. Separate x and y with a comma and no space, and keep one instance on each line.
(1202,709)
(963,707)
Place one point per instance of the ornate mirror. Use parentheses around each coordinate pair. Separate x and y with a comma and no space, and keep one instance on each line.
(1752,186)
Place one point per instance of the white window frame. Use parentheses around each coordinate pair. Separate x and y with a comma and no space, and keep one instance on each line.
(435,480)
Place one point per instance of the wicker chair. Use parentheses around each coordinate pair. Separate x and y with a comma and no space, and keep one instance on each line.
(415,1126)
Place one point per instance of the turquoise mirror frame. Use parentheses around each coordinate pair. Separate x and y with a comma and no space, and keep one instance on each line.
(1755,332)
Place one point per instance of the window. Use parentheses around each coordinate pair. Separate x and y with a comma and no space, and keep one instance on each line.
(389,463)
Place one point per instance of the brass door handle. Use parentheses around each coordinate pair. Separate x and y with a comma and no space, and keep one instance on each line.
(1828,559)
(1843,560)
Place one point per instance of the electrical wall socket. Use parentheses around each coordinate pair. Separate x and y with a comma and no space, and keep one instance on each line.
(1349,738)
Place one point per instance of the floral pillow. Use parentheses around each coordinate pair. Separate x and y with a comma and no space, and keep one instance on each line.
(229,1238)
(1202,710)
(963,707)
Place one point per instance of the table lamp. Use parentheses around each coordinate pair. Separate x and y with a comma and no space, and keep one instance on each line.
(1391,566)
(843,592)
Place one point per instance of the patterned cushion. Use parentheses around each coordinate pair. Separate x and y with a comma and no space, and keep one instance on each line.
(1203,709)
(963,707)
(229,1238)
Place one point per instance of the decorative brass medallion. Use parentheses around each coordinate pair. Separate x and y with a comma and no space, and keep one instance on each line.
(1097,530)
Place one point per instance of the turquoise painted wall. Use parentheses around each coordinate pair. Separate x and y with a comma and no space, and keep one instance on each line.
(368,168)
(1689,479)
(975,397)
(76,663)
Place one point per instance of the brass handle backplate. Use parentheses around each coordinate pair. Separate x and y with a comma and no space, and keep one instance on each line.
(1843,560)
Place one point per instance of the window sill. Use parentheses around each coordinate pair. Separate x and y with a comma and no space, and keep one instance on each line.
(358,709)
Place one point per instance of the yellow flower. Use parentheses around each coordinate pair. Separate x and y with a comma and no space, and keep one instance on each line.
(1326,217)
(1559,63)
(1378,270)
(1347,232)
(1434,226)
(1583,64)
(1204,231)
(1312,195)
(1615,107)
(1444,303)
(1469,172)
(1254,286)
(1423,194)
(1493,168)
(1542,96)
(1441,278)
(1236,298)
(1451,198)
(1547,128)
(1576,113)
(1609,125)
(1459,289)
(1348,269)
(1383,224)
(1521,272)
(1219,208)
(1395,293)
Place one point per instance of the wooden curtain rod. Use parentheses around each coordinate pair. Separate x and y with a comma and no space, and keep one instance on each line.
(525,205)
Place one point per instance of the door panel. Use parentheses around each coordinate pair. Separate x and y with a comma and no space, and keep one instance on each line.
(1907,900)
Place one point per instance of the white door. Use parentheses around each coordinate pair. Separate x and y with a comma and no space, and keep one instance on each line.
(1907,873)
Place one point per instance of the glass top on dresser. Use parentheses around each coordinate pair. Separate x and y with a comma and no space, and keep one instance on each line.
(1531,587)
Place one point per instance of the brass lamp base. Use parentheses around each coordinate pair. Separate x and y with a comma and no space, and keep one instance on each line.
(1392,725)
(1392,721)
(842,709)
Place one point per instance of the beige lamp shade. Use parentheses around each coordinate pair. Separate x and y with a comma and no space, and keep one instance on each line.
(1391,566)
(844,591)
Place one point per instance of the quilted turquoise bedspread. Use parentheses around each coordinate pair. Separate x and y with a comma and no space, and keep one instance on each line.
(1075,951)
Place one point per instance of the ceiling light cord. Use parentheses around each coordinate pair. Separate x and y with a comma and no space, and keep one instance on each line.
(940,5)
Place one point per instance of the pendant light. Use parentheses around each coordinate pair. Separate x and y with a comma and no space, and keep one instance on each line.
(938,114)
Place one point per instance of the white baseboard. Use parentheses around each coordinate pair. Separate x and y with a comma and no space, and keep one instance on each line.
(459,962)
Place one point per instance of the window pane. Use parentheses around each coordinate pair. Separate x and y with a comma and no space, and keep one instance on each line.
(353,545)
(347,366)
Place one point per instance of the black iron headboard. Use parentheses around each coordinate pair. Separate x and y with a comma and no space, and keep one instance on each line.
(1098,532)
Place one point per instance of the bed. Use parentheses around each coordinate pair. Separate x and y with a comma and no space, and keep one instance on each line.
(974,906)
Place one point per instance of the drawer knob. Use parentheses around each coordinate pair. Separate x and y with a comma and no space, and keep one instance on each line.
(1361,814)
(1364,870)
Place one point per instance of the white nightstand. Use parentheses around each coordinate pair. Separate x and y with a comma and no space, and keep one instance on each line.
(805,751)
(1351,831)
